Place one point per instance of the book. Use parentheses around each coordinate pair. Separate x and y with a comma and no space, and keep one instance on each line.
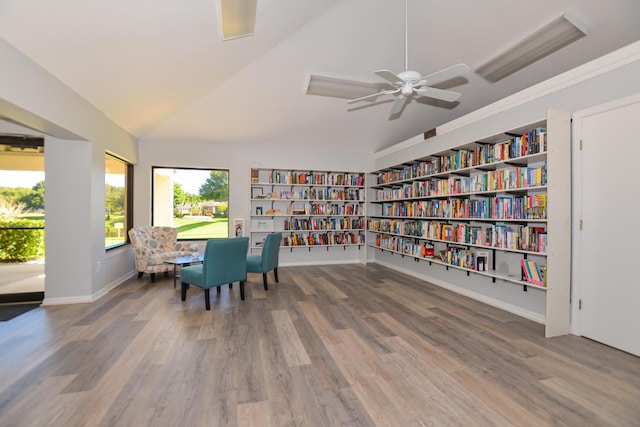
(531,272)
(482,261)
(526,269)
(426,252)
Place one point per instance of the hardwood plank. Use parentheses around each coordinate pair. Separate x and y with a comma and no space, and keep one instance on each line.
(350,345)
(294,351)
(254,414)
(305,284)
(46,394)
(365,388)
(327,287)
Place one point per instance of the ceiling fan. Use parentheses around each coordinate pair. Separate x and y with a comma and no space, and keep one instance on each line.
(407,84)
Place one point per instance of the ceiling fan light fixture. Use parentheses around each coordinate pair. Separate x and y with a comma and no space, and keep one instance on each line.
(341,88)
(548,39)
(237,18)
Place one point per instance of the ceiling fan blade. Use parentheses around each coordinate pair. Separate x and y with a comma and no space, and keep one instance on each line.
(446,74)
(398,105)
(389,76)
(373,95)
(444,95)
(342,88)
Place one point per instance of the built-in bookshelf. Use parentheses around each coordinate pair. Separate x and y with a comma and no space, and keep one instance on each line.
(484,207)
(312,209)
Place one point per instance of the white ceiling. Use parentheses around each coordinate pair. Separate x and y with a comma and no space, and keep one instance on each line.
(159,69)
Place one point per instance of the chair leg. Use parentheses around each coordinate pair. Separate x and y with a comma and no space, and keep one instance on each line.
(218,289)
(275,272)
(153,277)
(242,290)
(264,281)
(140,273)
(184,290)
(207,299)
(230,285)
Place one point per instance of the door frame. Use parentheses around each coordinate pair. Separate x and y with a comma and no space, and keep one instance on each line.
(577,203)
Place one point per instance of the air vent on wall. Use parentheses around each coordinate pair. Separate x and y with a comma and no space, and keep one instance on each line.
(430,133)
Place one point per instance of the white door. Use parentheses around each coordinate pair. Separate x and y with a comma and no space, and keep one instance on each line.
(610,264)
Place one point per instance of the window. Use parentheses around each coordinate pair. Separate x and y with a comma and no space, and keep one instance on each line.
(118,191)
(194,201)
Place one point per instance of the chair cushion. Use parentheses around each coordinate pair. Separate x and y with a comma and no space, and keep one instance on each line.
(254,264)
(192,275)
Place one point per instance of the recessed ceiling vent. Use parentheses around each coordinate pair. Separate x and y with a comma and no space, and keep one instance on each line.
(237,18)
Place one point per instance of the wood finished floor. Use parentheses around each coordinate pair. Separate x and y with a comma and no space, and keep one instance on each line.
(348,345)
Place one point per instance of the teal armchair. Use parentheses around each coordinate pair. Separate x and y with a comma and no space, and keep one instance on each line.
(225,261)
(268,260)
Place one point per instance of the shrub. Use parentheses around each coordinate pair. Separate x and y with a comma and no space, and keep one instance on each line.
(11,209)
(221,211)
(21,239)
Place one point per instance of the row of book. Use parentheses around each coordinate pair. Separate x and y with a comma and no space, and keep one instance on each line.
(326,209)
(316,178)
(497,236)
(528,143)
(500,207)
(320,194)
(324,224)
(532,272)
(511,178)
(465,258)
(458,256)
(322,239)
(404,246)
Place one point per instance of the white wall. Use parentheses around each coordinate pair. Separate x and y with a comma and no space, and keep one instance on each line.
(67,220)
(239,160)
(608,78)
(78,136)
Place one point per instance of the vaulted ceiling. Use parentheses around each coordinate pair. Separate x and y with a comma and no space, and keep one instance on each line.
(159,69)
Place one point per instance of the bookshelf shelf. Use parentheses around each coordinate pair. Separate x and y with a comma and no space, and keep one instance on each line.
(453,242)
(312,209)
(514,280)
(481,208)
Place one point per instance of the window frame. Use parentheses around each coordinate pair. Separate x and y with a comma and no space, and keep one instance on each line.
(206,169)
(128,201)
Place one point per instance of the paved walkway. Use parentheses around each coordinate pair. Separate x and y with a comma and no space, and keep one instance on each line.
(22,277)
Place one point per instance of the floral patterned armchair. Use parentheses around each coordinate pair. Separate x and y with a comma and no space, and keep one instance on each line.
(152,246)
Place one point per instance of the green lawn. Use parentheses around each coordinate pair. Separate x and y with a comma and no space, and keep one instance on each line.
(114,236)
(201,229)
(187,229)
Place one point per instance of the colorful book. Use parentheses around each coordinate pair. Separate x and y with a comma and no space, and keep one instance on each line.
(531,272)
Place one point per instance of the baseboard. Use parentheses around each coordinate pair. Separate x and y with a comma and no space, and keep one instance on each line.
(527,314)
(90,298)
(120,280)
(329,262)
(67,300)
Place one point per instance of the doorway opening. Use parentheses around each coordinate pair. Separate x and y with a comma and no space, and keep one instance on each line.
(22,217)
